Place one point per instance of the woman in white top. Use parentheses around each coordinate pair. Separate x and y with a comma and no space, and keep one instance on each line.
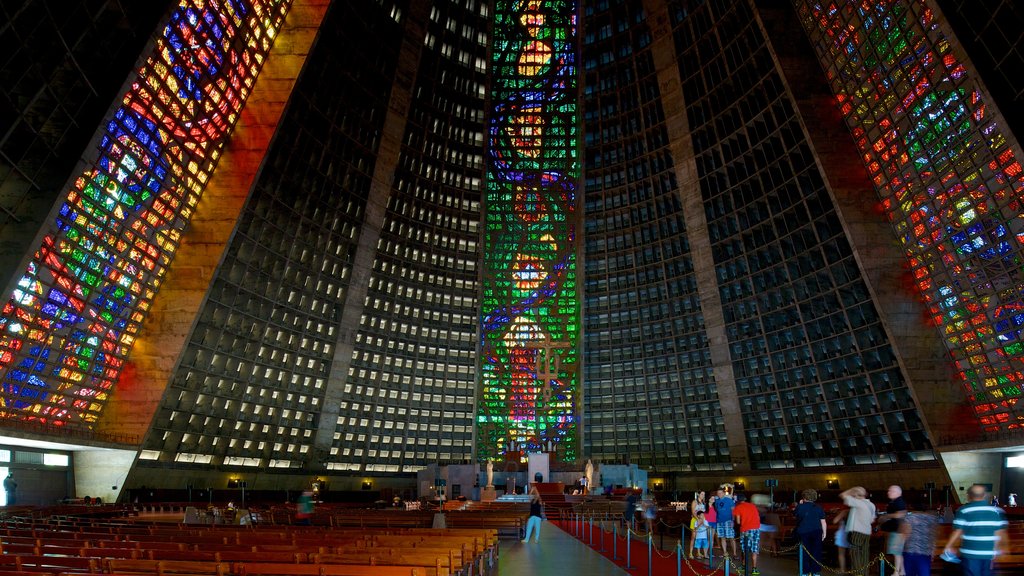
(695,506)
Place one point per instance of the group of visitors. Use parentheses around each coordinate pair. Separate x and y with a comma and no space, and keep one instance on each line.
(979,528)
(723,515)
(979,531)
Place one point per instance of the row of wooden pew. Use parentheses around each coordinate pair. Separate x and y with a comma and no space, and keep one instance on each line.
(159,550)
(509,521)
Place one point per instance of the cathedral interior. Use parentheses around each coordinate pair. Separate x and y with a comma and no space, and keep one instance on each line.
(276,242)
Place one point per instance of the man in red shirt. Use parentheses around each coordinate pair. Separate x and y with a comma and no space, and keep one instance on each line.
(748,522)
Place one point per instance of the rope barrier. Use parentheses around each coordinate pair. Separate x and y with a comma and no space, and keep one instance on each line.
(880,559)
(724,566)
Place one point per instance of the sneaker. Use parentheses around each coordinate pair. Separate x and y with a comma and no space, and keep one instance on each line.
(536,541)
(524,541)
(755,572)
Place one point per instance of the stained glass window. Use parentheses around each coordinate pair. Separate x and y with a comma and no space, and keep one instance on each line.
(948,179)
(67,328)
(529,357)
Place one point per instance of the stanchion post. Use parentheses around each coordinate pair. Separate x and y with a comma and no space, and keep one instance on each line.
(800,559)
(679,559)
(591,531)
(601,534)
(881,565)
(615,541)
(629,549)
(727,572)
(650,544)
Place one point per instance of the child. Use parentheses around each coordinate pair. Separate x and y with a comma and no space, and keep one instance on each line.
(699,525)
(712,518)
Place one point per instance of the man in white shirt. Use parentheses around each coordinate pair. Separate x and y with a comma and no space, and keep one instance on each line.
(858,526)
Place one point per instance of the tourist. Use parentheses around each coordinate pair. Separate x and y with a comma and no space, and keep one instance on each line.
(858,526)
(629,514)
(10,486)
(696,506)
(701,540)
(536,516)
(698,503)
(982,529)
(723,510)
(650,512)
(304,511)
(918,531)
(890,524)
(842,543)
(748,518)
(712,517)
(810,530)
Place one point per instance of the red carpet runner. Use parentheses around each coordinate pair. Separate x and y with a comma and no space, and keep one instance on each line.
(661,566)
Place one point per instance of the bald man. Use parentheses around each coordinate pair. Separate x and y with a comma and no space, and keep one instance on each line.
(982,529)
(890,522)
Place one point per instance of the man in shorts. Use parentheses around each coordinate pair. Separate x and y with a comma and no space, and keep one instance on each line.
(726,532)
(748,518)
(890,523)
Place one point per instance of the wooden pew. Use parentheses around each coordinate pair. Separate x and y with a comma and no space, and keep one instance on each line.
(443,560)
(33,563)
(215,551)
(129,553)
(162,567)
(508,524)
(275,569)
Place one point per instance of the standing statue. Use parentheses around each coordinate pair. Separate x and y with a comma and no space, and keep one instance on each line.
(490,474)
(589,475)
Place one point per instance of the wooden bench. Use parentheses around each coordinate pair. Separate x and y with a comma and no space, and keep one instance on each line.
(262,556)
(386,519)
(162,567)
(505,523)
(443,560)
(488,536)
(129,553)
(275,569)
(33,563)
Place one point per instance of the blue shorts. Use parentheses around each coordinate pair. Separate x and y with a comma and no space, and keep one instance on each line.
(894,543)
(725,530)
(841,540)
(750,541)
(702,544)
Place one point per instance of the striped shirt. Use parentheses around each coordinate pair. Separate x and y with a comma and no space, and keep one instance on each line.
(922,533)
(979,522)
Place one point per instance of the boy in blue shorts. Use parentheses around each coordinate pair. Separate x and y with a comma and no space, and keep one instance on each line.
(701,529)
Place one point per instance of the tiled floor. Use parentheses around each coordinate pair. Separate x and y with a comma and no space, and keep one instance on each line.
(557,554)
